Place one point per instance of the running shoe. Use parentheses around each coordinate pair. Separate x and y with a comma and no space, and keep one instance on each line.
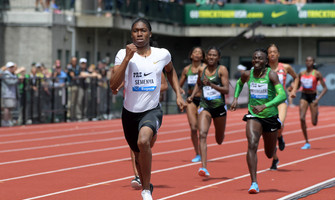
(274,164)
(146,195)
(136,183)
(306,146)
(197,158)
(151,188)
(281,143)
(253,188)
(203,172)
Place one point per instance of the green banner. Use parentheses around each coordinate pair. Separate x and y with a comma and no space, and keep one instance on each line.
(267,13)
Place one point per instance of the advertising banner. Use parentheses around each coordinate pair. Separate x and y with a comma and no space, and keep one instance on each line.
(267,13)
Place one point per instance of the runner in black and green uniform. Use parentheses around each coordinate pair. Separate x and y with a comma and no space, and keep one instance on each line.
(190,74)
(265,93)
(214,82)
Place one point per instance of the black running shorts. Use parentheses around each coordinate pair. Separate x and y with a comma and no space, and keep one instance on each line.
(270,124)
(215,112)
(308,97)
(133,122)
(196,101)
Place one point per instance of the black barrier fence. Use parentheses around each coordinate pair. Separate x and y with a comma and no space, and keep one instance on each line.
(49,100)
(53,100)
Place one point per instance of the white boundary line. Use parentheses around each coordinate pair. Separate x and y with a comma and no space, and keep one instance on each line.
(245,175)
(301,192)
(125,146)
(33,132)
(177,167)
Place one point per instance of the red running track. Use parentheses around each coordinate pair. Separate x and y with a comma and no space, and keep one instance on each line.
(90,160)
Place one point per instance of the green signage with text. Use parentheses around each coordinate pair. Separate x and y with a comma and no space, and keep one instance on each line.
(267,13)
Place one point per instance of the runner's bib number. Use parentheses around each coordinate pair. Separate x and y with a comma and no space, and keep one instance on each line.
(145,83)
(259,90)
(307,83)
(192,79)
(210,93)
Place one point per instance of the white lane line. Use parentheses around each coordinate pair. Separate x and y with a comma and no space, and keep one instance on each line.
(245,175)
(79,126)
(122,147)
(49,128)
(155,154)
(121,138)
(178,167)
(55,130)
(321,185)
(120,130)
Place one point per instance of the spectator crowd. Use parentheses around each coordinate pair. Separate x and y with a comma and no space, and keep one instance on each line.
(61,93)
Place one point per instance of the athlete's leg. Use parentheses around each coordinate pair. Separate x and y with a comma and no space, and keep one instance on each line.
(270,140)
(282,111)
(220,127)
(133,163)
(204,124)
(314,113)
(253,133)
(132,156)
(192,116)
(302,111)
(136,182)
(144,157)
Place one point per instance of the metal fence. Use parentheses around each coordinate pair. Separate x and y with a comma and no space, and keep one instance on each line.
(51,100)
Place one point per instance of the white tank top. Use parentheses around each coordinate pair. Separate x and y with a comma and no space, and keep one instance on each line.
(143,79)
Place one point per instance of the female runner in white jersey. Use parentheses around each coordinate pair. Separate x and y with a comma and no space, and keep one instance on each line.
(140,67)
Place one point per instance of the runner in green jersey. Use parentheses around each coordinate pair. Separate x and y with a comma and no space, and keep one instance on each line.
(190,76)
(214,82)
(265,94)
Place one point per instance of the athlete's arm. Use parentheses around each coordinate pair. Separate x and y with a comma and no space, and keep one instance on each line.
(291,71)
(183,76)
(281,96)
(238,88)
(223,74)
(164,84)
(324,87)
(173,79)
(118,88)
(119,70)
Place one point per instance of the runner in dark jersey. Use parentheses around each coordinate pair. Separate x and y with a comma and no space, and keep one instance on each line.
(308,80)
(214,82)
(190,74)
(265,94)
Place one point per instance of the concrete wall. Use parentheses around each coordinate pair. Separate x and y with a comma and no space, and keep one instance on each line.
(24,45)
(2,45)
